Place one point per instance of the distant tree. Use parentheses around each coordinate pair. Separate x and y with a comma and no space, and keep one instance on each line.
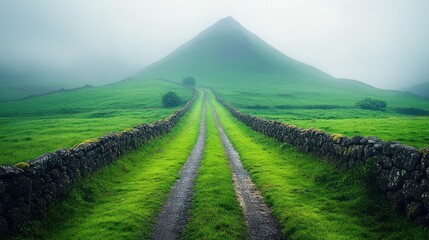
(372,104)
(189,81)
(170,99)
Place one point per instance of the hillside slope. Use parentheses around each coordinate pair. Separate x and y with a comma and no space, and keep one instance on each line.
(16,83)
(236,62)
(420,89)
(227,47)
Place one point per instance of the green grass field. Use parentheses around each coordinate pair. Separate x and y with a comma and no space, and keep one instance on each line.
(122,200)
(336,113)
(413,131)
(31,127)
(215,213)
(410,130)
(313,199)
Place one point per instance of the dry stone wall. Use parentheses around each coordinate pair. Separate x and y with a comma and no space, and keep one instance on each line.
(27,193)
(402,172)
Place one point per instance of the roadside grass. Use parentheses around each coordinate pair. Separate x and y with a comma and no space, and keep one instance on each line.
(122,200)
(215,212)
(31,127)
(313,199)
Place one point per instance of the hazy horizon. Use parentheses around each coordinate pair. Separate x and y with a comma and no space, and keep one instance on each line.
(381,43)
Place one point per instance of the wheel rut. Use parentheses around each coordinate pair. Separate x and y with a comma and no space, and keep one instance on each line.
(260,223)
(173,218)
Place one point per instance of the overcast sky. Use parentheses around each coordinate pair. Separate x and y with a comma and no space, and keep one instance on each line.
(383,43)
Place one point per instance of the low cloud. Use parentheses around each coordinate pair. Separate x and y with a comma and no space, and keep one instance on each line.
(383,43)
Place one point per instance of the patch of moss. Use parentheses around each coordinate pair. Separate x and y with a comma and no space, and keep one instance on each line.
(424,151)
(128,130)
(336,137)
(318,130)
(22,165)
(91,140)
(315,130)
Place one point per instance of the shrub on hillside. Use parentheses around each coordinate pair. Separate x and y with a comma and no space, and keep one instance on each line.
(170,99)
(190,81)
(372,104)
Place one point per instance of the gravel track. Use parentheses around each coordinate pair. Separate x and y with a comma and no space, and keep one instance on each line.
(173,218)
(260,223)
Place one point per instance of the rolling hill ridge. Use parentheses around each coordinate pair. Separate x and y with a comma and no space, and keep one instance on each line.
(229,47)
(233,60)
(420,89)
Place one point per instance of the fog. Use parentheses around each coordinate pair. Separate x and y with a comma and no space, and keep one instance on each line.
(383,43)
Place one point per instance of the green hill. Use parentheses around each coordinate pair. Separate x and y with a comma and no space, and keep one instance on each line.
(247,71)
(16,84)
(420,89)
(12,87)
(227,49)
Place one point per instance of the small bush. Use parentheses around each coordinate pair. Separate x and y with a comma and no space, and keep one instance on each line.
(22,165)
(372,104)
(190,81)
(170,99)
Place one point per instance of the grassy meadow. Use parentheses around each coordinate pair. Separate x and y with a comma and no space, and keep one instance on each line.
(314,199)
(31,127)
(122,200)
(311,110)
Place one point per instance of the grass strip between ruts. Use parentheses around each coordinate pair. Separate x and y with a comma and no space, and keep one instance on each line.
(215,213)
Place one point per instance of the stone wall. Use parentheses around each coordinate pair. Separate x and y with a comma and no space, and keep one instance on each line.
(402,172)
(27,193)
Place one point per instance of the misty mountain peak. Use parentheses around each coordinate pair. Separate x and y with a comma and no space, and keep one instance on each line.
(229,46)
(227,20)
(227,23)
